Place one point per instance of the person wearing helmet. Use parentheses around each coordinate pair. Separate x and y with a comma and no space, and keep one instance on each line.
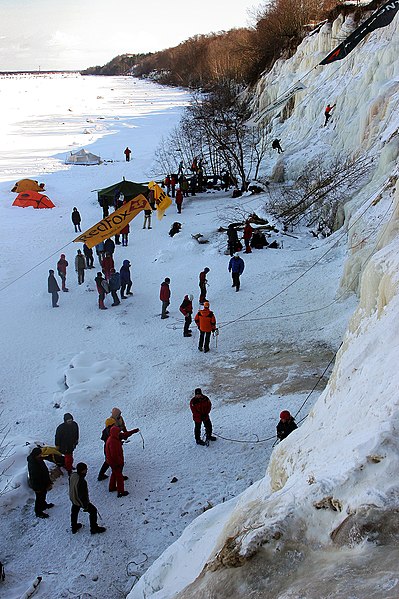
(186,308)
(286,425)
(206,323)
(202,284)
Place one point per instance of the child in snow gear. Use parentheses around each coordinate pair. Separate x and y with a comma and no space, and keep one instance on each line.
(236,267)
(248,231)
(276,146)
(76,219)
(186,308)
(286,425)
(53,288)
(232,240)
(61,269)
(79,496)
(126,279)
(80,265)
(114,285)
(202,285)
(206,323)
(39,480)
(88,252)
(102,288)
(127,151)
(200,406)
(66,439)
(115,458)
(164,296)
(327,113)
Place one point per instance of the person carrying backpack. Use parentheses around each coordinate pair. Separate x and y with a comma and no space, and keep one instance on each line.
(102,288)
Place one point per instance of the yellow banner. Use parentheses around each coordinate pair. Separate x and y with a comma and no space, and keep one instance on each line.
(112,224)
(162,200)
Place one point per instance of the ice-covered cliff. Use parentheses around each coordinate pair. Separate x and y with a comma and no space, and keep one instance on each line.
(327,511)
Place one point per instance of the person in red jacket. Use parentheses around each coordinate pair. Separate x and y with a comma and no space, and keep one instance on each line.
(107,265)
(127,153)
(186,308)
(201,406)
(248,230)
(206,323)
(327,113)
(115,459)
(125,234)
(202,285)
(179,200)
(164,296)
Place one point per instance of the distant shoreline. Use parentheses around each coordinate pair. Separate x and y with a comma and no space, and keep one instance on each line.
(54,72)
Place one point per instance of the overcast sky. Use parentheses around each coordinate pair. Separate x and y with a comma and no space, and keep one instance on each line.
(75,34)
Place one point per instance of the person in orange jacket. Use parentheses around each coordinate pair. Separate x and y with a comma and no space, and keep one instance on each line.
(115,459)
(206,323)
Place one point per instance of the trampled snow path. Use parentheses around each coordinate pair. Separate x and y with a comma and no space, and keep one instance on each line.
(157,369)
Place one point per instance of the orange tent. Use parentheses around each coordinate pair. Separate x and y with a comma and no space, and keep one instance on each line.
(27,185)
(32,198)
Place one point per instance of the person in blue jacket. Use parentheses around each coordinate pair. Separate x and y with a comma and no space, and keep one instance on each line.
(126,279)
(114,285)
(236,267)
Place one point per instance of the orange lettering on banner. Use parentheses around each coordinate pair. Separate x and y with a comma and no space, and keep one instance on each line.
(162,200)
(112,224)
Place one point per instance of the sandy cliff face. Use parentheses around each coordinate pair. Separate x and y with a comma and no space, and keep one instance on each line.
(328,506)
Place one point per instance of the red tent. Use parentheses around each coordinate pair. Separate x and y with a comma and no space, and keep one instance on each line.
(33,198)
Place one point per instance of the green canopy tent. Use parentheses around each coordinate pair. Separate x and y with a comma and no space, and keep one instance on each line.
(129,190)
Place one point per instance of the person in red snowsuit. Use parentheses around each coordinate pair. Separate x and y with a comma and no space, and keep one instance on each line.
(200,406)
(107,265)
(127,153)
(115,459)
(248,230)
(179,200)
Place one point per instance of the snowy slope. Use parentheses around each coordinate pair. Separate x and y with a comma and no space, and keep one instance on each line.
(323,521)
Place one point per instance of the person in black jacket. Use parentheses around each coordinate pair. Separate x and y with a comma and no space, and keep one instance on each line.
(66,439)
(79,496)
(76,219)
(53,288)
(286,425)
(39,480)
(232,240)
(88,252)
(109,246)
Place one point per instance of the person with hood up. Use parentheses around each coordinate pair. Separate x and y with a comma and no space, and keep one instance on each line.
(66,439)
(248,231)
(286,425)
(61,269)
(53,288)
(80,266)
(107,265)
(39,480)
(115,459)
(114,285)
(202,284)
(88,252)
(126,279)
(164,296)
(109,246)
(206,323)
(186,308)
(102,288)
(127,152)
(79,496)
(76,219)
(236,267)
(179,200)
(200,406)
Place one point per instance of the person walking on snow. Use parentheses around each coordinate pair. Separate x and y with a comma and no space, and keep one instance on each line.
(248,231)
(286,425)
(79,496)
(127,151)
(327,113)
(102,288)
(88,253)
(39,480)
(236,267)
(206,323)
(186,308)
(76,219)
(276,146)
(80,266)
(200,406)
(115,459)
(126,279)
(53,288)
(61,269)
(179,200)
(202,284)
(66,439)
(164,296)
(114,286)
